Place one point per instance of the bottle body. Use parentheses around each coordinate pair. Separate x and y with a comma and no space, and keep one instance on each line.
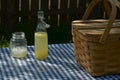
(41,45)
(18,45)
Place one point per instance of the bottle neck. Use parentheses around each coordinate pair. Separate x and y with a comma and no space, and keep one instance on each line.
(40,20)
(41,30)
(41,25)
(40,17)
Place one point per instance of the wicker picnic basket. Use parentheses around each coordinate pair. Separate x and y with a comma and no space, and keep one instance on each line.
(97,43)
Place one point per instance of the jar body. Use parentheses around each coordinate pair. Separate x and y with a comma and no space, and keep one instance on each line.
(18,45)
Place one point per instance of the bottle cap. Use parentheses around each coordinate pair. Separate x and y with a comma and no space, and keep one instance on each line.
(40,14)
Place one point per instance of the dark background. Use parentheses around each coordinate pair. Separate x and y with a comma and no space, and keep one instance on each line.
(58,13)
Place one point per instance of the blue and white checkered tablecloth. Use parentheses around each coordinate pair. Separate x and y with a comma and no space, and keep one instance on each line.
(60,65)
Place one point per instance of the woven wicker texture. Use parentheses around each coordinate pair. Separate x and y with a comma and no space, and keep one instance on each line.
(97,58)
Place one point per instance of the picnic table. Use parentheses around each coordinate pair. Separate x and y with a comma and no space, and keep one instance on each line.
(60,65)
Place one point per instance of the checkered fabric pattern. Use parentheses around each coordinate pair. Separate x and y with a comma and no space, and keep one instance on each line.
(60,65)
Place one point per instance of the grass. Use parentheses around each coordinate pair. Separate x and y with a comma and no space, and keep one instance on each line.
(4,42)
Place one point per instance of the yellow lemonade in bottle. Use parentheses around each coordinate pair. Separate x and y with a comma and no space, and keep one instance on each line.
(41,45)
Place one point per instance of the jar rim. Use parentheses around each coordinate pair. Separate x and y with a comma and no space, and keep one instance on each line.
(18,35)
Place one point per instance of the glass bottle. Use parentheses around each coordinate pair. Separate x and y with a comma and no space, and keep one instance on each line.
(41,38)
(18,45)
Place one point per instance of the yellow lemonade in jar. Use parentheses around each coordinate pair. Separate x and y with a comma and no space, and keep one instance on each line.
(19,52)
(41,45)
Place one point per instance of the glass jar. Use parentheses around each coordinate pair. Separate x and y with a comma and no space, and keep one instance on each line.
(18,45)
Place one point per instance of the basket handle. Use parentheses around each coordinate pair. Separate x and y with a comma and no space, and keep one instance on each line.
(107,7)
(111,18)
